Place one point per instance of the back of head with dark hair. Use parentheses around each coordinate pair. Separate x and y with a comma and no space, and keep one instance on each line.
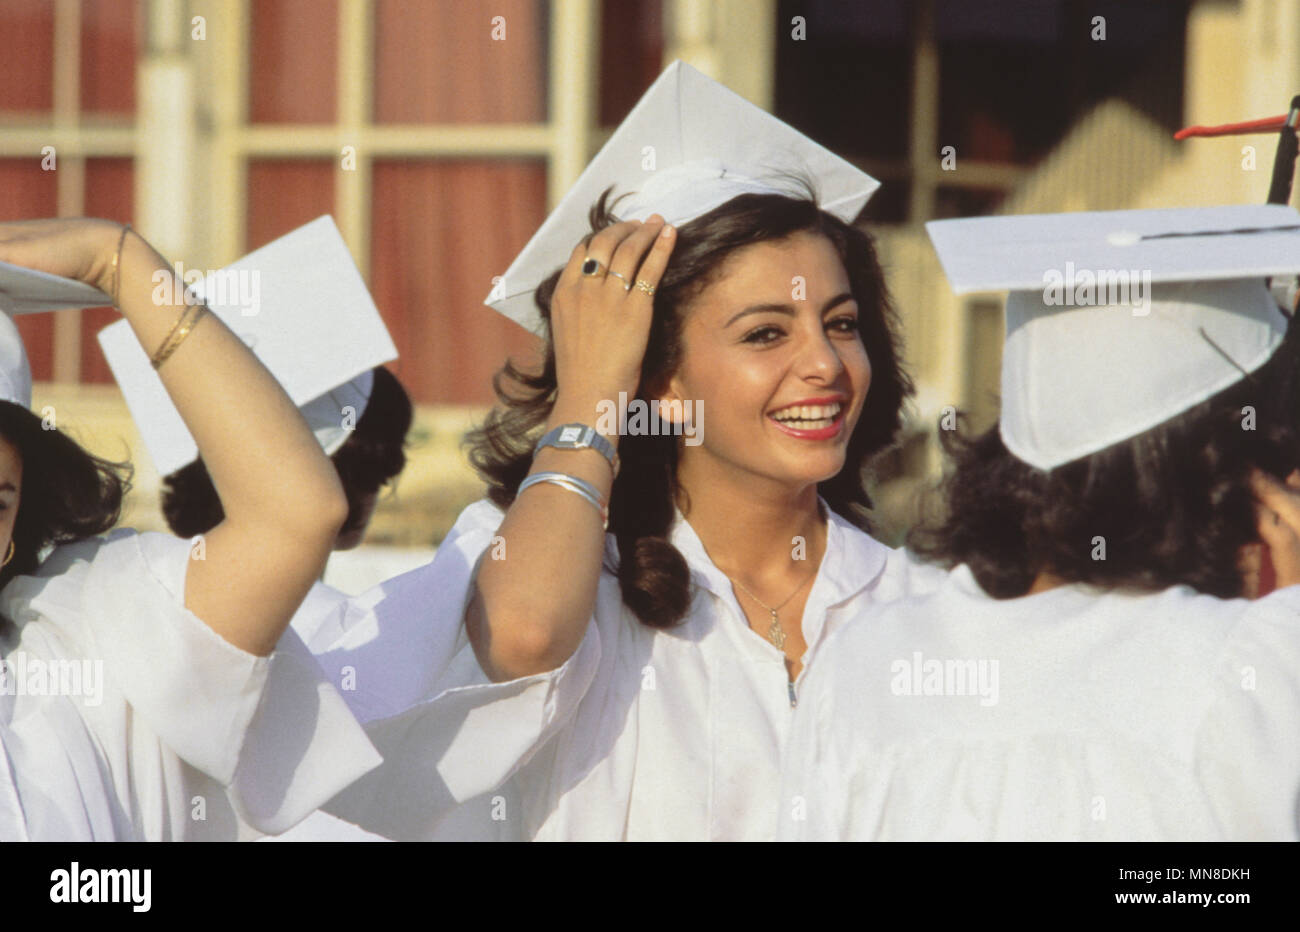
(652,574)
(67,494)
(1171,506)
(372,456)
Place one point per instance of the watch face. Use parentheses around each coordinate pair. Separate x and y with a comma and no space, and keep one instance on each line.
(570,434)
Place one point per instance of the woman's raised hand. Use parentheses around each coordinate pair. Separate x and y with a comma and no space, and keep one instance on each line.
(529,614)
(1278,522)
(600,322)
(282,500)
(72,248)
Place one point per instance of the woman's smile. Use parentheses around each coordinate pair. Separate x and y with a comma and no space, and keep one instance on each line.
(812,419)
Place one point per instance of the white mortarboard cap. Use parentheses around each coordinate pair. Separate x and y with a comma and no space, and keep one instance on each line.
(27,291)
(324,415)
(689,145)
(301,305)
(1118,321)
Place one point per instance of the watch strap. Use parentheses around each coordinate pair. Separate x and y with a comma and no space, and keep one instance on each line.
(579,437)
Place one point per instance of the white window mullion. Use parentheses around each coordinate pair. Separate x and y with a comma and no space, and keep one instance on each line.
(70,177)
(352,186)
(228,31)
(574,54)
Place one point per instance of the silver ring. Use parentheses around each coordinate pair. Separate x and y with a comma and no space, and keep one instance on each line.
(626,286)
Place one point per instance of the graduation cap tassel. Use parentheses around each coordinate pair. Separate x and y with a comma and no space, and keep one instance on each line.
(1286,289)
(1288,146)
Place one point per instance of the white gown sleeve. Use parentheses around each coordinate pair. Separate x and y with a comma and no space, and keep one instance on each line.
(1248,745)
(201,739)
(447,733)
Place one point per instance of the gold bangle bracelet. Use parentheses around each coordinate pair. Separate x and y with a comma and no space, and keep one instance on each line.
(117,265)
(185,324)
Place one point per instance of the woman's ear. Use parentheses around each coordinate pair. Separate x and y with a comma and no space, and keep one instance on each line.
(670,402)
(671,410)
(661,393)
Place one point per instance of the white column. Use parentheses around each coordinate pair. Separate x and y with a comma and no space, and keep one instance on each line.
(70,174)
(165,130)
(732,41)
(352,181)
(575,31)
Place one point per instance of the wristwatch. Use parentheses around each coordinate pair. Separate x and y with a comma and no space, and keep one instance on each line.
(579,437)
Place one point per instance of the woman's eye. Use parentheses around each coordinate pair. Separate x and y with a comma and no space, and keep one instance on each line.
(845,324)
(763,335)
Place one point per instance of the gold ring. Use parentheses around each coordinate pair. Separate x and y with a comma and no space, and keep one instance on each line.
(643,285)
(591,268)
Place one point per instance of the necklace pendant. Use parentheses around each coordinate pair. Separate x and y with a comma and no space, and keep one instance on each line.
(775,634)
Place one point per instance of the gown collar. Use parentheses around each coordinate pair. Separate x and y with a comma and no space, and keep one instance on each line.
(853,559)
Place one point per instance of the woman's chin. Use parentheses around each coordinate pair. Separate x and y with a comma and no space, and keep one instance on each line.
(815,469)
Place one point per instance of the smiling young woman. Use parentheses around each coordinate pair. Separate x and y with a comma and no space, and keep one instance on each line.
(730,336)
(640,682)
(615,638)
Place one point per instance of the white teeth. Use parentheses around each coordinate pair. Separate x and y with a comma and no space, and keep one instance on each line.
(815,415)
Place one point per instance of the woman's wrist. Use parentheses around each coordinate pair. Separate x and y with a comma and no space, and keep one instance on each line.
(105,235)
(585,407)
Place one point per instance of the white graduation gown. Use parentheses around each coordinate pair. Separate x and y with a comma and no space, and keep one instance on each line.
(641,734)
(189,737)
(321,607)
(1118,716)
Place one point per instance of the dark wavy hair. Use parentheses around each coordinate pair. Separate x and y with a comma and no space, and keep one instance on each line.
(67,494)
(372,456)
(652,574)
(1173,504)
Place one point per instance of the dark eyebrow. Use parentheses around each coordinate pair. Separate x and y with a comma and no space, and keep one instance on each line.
(8,487)
(787,309)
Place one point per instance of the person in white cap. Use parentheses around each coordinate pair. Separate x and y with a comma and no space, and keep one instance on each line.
(288,301)
(610,646)
(1092,669)
(182,709)
(367,458)
(301,292)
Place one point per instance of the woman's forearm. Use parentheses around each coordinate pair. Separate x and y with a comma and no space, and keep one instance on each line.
(264,461)
(281,496)
(535,594)
(530,607)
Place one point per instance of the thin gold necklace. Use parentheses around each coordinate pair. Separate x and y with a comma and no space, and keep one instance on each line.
(774,632)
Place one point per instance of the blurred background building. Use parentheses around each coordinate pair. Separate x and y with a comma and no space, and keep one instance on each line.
(437,132)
